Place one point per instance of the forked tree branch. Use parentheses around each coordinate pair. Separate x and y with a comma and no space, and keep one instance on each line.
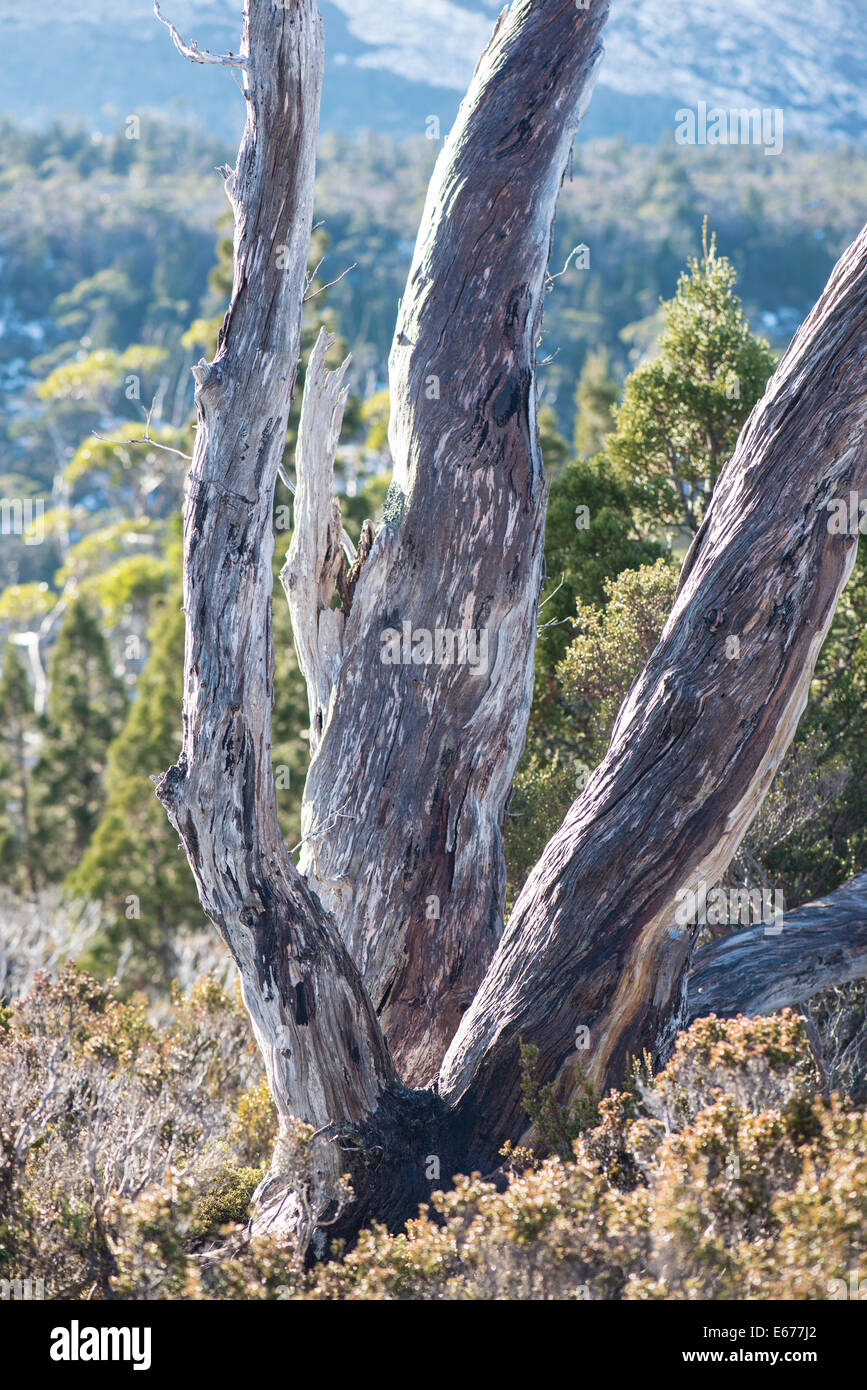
(422,741)
(194,54)
(590,943)
(416,758)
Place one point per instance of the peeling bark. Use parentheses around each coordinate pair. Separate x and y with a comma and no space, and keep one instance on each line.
(420,758)
(695,745)
(823,943)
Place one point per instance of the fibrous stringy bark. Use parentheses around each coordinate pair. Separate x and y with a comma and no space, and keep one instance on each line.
(414,760)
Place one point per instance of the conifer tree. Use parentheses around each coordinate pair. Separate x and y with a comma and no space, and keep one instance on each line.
(85,708)
(678,421)
(595,398)
(18,868)
(682,412)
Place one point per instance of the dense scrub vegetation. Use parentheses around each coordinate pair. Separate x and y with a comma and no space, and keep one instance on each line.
(130,1153)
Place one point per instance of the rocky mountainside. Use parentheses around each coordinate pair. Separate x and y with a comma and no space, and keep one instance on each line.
(392,64)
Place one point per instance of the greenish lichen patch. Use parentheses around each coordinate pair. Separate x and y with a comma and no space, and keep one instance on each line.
(392,507)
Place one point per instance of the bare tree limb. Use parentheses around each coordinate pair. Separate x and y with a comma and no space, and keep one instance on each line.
(823,943)
(315,557)
(194,54)
(324,1053)
(423,750)
(145,439)
(331,283)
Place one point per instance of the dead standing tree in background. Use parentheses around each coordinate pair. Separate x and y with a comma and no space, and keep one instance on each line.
(355,991)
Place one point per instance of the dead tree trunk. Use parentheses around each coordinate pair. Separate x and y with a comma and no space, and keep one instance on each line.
(823,943)
(325,1056)
(413,759)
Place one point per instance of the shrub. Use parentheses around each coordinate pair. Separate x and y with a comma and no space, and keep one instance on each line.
(131,1150)
(100,1108)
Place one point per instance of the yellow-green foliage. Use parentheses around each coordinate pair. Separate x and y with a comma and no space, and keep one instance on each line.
(726,1175)
(256,1123)
(227,1200)
(614,643)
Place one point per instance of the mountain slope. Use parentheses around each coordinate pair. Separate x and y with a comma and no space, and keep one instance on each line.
(390,65)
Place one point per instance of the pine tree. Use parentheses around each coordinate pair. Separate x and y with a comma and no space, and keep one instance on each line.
(653,473)
(18,863)
(682,412)
(132,865)
(85,708)
(595,398)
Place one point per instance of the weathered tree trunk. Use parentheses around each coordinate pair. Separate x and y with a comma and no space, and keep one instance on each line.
(324,1053)
(590,943)
(823,943)
(413,761)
